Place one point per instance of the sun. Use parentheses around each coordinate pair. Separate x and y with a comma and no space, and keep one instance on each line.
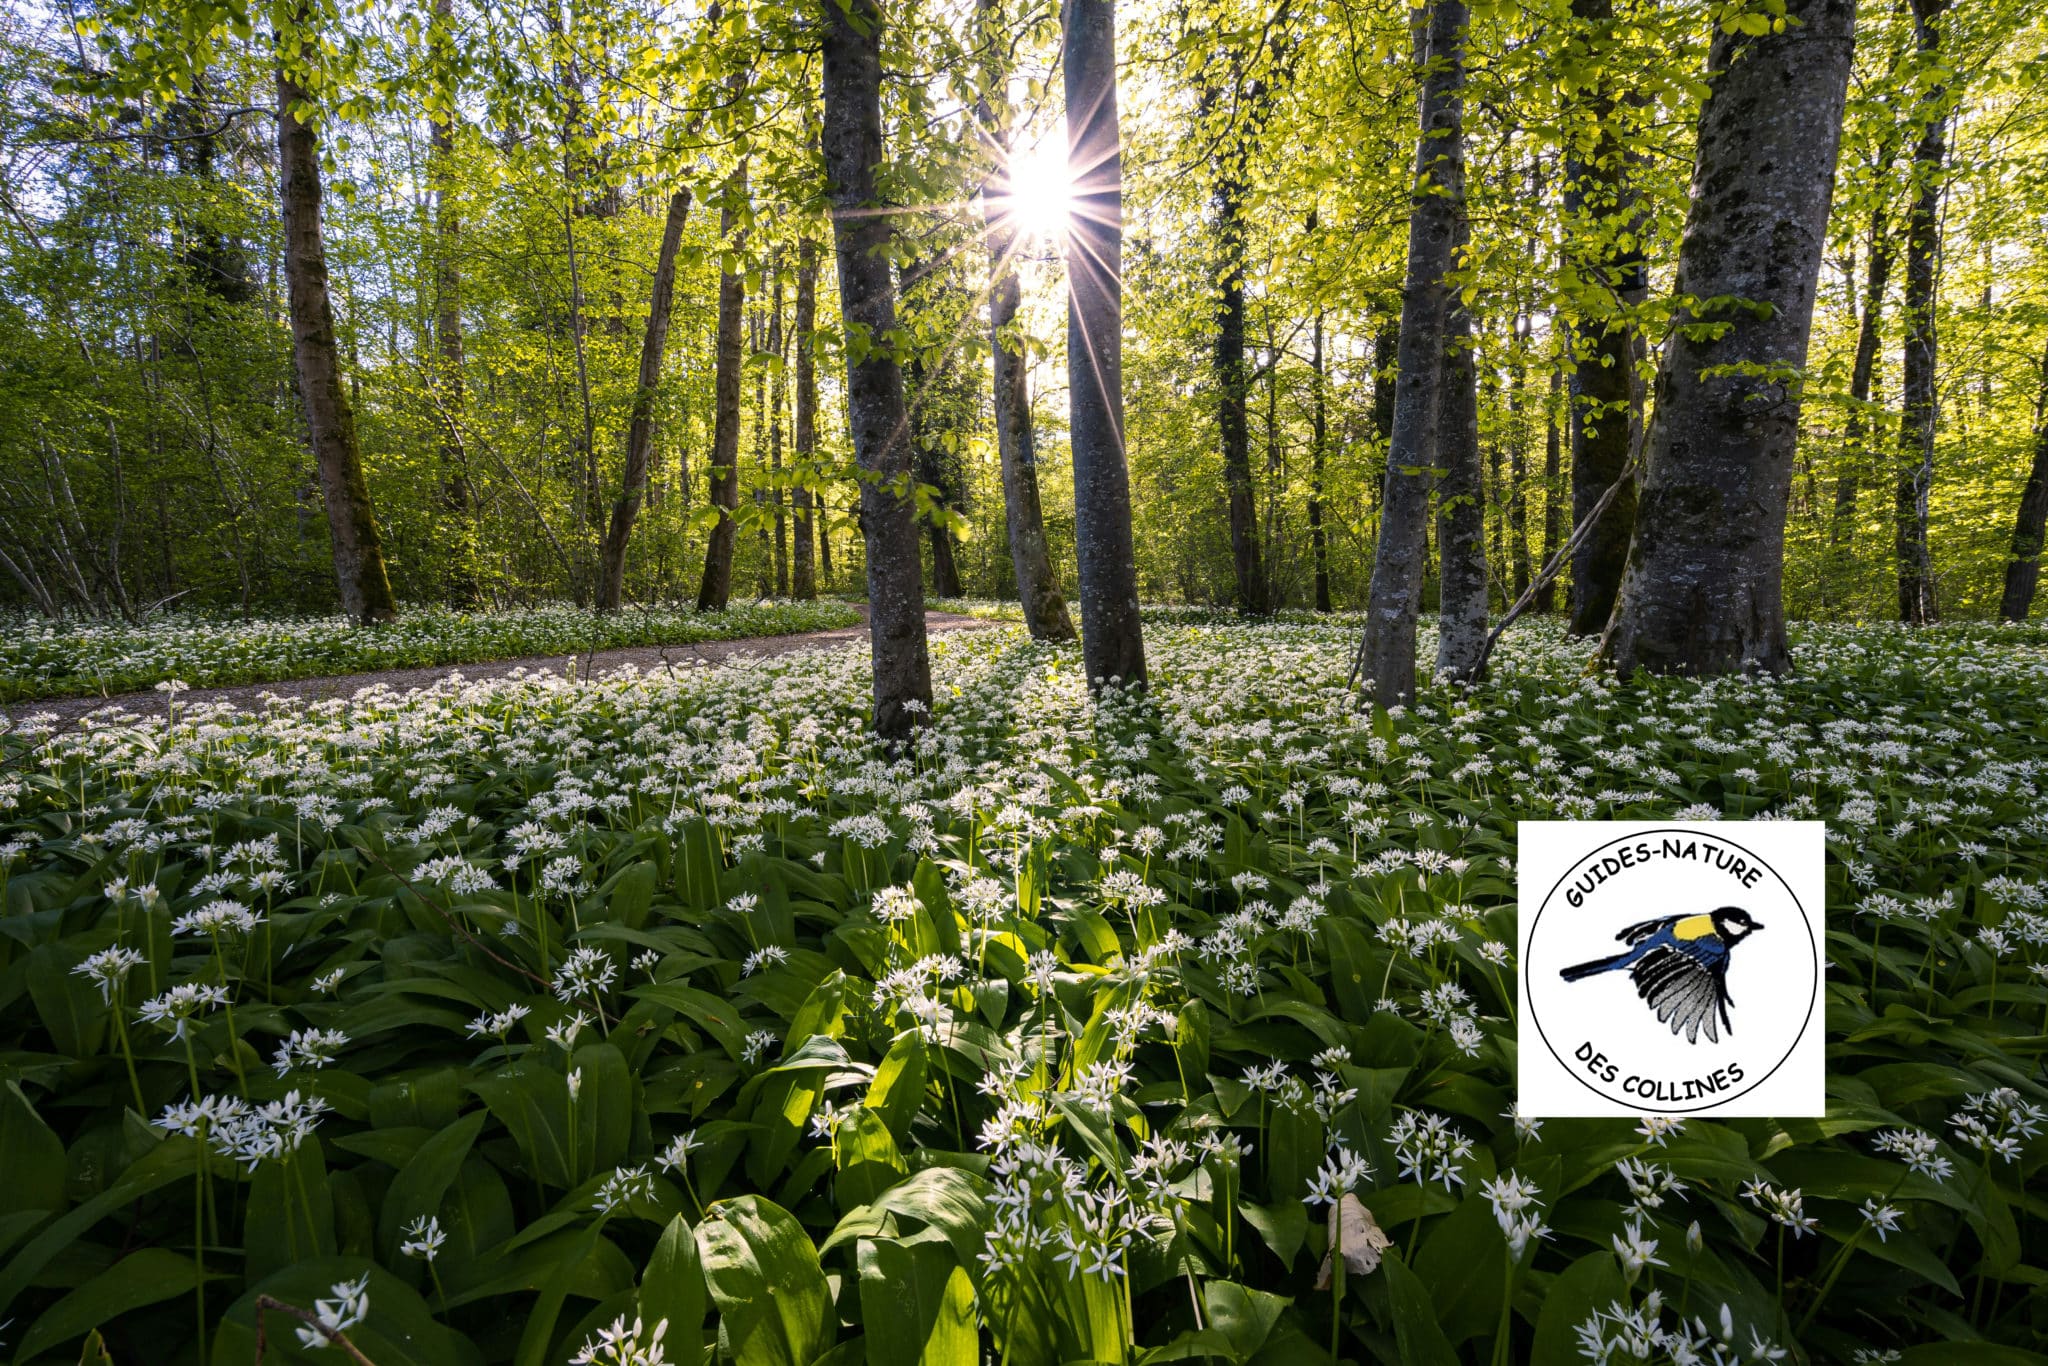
(1041,192)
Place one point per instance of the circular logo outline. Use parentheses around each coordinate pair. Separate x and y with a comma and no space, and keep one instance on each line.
(1805,923)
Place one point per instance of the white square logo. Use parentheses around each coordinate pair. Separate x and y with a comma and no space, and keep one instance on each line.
(1671,969)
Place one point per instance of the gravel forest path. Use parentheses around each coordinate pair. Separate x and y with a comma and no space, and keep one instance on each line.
(251,695)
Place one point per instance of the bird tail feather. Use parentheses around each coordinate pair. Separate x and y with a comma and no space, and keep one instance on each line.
(1598,965)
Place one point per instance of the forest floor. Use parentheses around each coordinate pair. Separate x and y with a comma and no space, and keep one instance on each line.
(588,664)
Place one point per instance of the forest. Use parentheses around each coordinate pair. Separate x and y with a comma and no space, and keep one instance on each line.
(800,683)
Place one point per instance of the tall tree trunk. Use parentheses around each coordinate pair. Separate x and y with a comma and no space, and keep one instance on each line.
(1862,376)
(330,424)
(1703,593)
(803,578)
(1319,434)
(1461,502)
(778,399)
(1038,587)
(714,591)
(1546,596)
(458,536)
(1387,651)
(929,461)
(1601,206)
(611,581)
(2023,571)
(1923,248)
(1233,380)
(852,144)
(1518,464)
(1112,636)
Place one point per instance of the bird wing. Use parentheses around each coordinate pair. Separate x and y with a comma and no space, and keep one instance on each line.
(1637,933)
(1685,982)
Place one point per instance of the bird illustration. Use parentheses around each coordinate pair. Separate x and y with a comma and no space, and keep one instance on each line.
(1680,967)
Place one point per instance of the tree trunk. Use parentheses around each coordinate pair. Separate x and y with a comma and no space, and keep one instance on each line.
(1923,246)
(611,581)
(1601,204)
(1461,503)
(330,424)
(1862,377)
(852,144)
(1518,466)
(1319,432)
(458,537)
(778,399)
(1703,590)
(1387,652)
(1112,636)
(1233,382)
(714,591)
(1546,596)
(1038,587)
(2023,571)
(803,579)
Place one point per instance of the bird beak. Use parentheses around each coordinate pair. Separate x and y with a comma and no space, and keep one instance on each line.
(1756,924)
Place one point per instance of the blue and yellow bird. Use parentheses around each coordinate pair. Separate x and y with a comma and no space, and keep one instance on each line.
(1680,967)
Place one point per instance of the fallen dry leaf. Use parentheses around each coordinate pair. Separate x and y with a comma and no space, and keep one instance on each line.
(1353,1229)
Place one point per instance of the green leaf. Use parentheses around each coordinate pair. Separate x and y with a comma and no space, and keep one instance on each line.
(1591,1283)
(672,1290)
(916,1304)
(31,1155)
(774,1305)
(147,1276)
(1416,1330)
(416,1191)
(1243,1316)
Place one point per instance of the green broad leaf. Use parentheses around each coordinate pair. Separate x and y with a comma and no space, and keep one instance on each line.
(897,1092)
(531,1099)
(416,1192)
(628,896)
(291,1212)
(1463,1265)
(604,1109)
(1283,1225)
(1591,1283)
(70,1006)
(698,858)
(936,919)
(31,1155)
(537,1336)
(948,1199)
(869,1160)
(672,1291)
(715,1017)
(916,1304)
(165,1165)
(774,1305)
(1416,1330)
(1241,1316)
(400,1331)
(147,1276)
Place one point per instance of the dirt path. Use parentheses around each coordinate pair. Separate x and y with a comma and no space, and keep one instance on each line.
(151,704)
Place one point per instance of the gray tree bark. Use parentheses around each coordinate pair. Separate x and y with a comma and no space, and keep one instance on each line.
(1112,637)
(1387,652)
(611,579)
(803,577)
(1703,590)
(330,423)
(1546,596)
(1319,435)
(852,145)
(1461,503)
(1602,204)
(1917,376)
(2023,570)
(714,590)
